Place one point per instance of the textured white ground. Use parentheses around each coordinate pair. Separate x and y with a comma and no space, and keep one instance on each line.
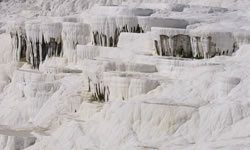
(171,104)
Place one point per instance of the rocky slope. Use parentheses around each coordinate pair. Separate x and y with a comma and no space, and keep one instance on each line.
(138,75)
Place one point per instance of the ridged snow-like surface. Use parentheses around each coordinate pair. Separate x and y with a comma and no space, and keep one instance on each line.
(125,86)
(72,35)
(124,75)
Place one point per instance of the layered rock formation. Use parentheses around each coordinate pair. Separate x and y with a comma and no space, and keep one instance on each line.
(124,75)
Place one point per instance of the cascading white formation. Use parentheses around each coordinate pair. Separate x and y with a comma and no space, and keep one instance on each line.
(108,22)
(171,103)
(72,35)
(33,34)
(120,85)
(242,38)
(34,41)
(18,36)
(106,27)
(108,79)
(190,43)
(43,40)
(123,86)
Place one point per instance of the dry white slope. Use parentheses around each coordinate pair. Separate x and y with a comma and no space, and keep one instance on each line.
(191,104)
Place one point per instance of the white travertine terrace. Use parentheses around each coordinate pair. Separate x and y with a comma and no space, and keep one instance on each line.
(17,32)
(106,29)
(123,86)
(202,44)
(44,39)
(41,39)
(124,74)
(74,34)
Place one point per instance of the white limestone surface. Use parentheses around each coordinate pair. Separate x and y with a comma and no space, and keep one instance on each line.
(122,95)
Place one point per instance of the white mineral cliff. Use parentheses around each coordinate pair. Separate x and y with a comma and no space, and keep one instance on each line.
(124,75)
